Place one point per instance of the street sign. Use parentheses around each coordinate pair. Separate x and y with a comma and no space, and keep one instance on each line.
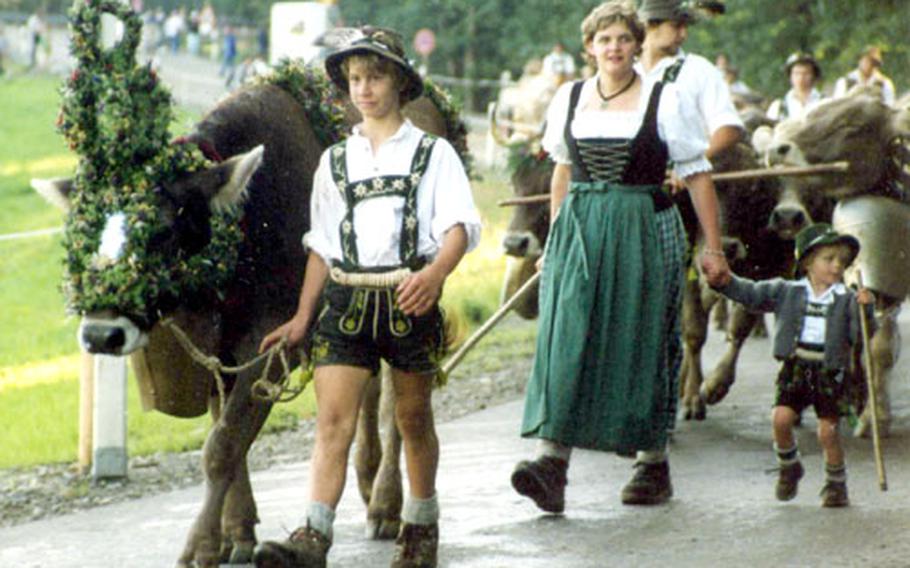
(424,41)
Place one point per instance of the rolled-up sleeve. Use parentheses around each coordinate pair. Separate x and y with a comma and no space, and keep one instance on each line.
(679,127)
(554,140)
(716,104)
(327,209)
(453,203)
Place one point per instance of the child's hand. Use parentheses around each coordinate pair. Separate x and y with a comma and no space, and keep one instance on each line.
(420,291)
(864,296)
(293,330)
(715,269)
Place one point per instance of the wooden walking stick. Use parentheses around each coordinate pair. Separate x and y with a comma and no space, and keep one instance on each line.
(873,398)
(489,324)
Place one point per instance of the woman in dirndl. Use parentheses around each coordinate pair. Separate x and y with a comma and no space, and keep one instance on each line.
(608,345)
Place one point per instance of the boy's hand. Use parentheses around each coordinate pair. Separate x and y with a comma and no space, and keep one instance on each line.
(420,291)
(293,330)
(864,296)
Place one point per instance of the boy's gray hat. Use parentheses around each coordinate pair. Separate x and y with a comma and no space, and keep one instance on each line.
(820,234)
(384,43)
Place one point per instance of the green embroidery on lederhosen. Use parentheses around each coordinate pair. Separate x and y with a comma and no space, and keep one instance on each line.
(672,71)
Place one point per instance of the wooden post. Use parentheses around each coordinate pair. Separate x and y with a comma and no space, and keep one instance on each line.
(109,418)
(86,391)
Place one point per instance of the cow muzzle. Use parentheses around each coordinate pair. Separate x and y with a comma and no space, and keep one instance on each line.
(521,244)
(110,336)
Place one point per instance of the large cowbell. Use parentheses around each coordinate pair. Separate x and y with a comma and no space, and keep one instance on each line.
(882,226)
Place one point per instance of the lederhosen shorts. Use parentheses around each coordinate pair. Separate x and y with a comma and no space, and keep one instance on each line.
(359,326)
(802,383)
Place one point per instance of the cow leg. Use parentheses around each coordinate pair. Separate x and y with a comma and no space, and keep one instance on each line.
(721,314)
(384,510)
(694,332)
(238,520)
(721,379)
(224,450)
(368,451)
(884,349)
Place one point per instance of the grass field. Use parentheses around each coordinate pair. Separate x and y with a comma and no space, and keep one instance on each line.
(39,359)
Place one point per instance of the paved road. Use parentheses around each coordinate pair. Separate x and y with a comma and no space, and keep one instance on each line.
(723,512)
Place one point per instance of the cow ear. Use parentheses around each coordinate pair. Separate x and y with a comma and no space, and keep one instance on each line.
(236,173)
(55,191)
(761,139)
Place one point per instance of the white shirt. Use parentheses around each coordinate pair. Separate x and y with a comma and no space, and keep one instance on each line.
(795,107)
(559,64)
(702,88)
(815,327)
(840,87)
(685,142)
(443,200)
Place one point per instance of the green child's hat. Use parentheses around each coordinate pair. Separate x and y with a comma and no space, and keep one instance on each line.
(819,234)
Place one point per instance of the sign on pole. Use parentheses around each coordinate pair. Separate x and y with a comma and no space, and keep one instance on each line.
(424,41)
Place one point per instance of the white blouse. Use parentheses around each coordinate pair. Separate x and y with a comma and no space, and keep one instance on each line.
(684,139)
(815,327)
(443,200)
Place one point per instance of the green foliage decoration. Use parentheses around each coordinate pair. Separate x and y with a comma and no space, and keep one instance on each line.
(115,115)
(456,128)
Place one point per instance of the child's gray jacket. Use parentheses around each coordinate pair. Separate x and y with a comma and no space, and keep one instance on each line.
(787,299)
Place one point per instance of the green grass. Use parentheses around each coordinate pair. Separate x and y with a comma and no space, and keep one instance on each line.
(39,360)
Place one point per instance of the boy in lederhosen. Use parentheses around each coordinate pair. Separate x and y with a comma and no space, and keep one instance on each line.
(817,325)
(392,215)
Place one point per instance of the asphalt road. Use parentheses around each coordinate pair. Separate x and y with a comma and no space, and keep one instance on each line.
(723,512)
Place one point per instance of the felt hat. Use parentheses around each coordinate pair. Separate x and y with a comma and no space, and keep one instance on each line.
(678,10)
(798,57)
(378,41)
(820,234)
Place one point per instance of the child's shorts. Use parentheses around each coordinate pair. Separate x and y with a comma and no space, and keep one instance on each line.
(359,326)
(802,383)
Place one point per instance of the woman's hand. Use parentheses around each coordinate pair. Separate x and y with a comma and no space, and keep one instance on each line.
(715,269)
(864,296)
(420,291)
(292,330)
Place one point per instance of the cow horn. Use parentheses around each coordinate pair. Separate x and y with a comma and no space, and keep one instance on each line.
(494,127)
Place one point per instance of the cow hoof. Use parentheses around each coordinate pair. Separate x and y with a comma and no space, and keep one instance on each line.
(714,395)
(242,553)
(698,413)
(382,529)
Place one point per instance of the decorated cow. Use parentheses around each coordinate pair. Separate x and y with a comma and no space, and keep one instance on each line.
(873,203)
(186,253)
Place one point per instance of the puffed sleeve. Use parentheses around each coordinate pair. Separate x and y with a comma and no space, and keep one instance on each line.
(554,141)
(680,129)
(453,203)
(327,210)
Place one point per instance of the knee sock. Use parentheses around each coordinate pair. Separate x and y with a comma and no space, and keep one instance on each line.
(786,456)
(651,456)
(320,517)
(836,473)
(420,511)
(549,448)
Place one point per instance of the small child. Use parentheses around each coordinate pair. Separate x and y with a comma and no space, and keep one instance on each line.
(817,325)
(392,215)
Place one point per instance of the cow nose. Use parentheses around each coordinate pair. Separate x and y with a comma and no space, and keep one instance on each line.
(103,339)
(792,219)
(516,244)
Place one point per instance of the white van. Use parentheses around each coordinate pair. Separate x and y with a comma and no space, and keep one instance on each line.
(295,27)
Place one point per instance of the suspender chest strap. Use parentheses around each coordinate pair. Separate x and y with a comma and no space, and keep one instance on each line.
(401,185)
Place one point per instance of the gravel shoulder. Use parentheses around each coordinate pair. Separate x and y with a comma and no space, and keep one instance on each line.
(494,373)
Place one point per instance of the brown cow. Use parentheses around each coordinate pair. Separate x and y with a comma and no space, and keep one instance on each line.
(860,129)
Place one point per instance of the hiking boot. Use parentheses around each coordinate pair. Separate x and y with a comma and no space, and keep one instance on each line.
(649,486)
(305,548)
(788,481)
(834,494)
(544,481)
(416,546)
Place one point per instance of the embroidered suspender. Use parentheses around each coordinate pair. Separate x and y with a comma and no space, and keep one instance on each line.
(673,71)
(402,185)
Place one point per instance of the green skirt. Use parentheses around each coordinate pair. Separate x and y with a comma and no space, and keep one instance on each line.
(609,330)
